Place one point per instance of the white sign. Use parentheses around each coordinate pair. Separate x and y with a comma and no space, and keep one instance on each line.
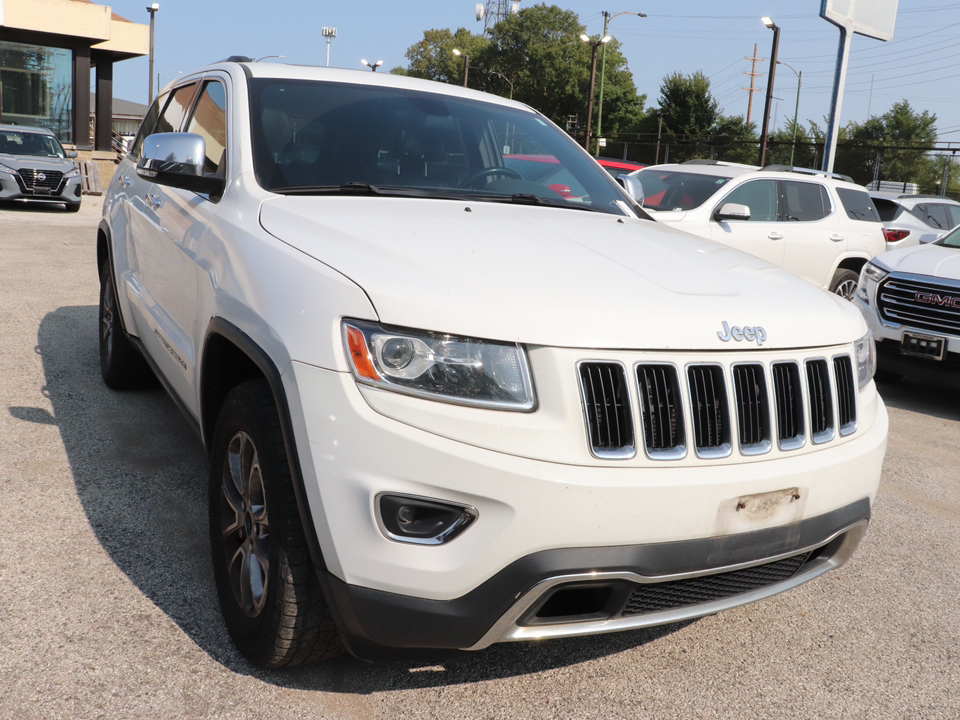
(873,18)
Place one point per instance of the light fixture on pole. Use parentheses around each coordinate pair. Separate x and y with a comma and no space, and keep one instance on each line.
(796,110)
(373,66)
(505,79)
(766,106)
(160,75)
(329,33)
(152,9)
(466,64)
(607,18)
(594,44)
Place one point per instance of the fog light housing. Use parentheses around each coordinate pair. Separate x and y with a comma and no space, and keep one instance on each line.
(420,520)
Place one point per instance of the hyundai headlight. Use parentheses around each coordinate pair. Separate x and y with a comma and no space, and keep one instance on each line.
(869,274)
(866,351)
(465,371)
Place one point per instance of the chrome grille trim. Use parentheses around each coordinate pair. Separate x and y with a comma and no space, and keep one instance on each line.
(753,408)
(846,394)
(51,181)
(710,410)
(897,305)
(819,401)
(788,400)
(661,411)
(608,409)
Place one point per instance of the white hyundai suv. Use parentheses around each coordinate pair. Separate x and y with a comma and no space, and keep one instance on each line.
(816,225)
(446,406)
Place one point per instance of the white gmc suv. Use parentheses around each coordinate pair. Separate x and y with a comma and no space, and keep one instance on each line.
(446,406)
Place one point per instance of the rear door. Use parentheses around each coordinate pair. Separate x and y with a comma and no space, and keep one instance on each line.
(813,235)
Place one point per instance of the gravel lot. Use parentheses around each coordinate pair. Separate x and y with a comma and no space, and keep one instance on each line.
(110,609)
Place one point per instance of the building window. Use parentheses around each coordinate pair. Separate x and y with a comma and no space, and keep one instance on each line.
(36,87)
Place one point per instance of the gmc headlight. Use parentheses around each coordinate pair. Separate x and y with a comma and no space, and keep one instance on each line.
(72,173)
(5,169)
(869,274)
(866,351)
(465,371)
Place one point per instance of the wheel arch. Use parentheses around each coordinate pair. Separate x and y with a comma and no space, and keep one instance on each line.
(231,357)
(854,263)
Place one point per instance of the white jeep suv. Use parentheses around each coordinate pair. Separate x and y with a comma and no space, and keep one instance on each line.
(816,225)
(446,406)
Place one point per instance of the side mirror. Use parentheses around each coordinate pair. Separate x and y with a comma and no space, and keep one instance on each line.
(632,186)
(732,211)
(72,154)
(176,160)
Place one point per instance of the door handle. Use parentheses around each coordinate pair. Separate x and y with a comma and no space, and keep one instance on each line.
(775,236)
(126,181)
(154,200)
(838,238)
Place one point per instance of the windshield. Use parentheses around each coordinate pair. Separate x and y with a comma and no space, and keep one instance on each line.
(951,239)
(19,142)
(327,137)
(671,190)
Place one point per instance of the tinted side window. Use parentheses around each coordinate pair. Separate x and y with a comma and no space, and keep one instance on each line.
(934,215)
(858,205)
(887,209)
(758,195)
(173,114)
(146,127)
(954,212)
(802,201)
(209,121)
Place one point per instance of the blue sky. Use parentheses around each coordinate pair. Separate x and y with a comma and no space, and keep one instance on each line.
(921,64)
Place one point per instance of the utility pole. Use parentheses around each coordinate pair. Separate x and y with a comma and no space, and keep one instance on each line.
(753,74)
(152,9)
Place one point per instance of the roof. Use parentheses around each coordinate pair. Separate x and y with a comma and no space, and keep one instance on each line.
(113,15)
(123,107)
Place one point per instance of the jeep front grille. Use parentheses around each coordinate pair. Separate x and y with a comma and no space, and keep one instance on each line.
(606,402)
(750,405)
(929,306)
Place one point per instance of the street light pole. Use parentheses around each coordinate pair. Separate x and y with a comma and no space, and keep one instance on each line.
(796,109)
(594,44)
(466,64)
(607,17)
(766,106)
(373,66)
(329,33)
(152,9)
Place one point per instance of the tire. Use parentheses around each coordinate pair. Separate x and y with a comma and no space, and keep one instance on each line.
(269,593)
(73,207)
(121,364)
(845,283)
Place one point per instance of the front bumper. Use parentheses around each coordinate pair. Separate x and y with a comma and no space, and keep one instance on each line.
(543,525)
(13,188)
(602,590)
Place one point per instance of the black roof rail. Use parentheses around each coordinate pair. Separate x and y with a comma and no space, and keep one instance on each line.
(922,196)
(806,171)
(701,161)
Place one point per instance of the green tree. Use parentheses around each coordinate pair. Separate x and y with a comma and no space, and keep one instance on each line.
(689,113)
(433,59)
(893,146)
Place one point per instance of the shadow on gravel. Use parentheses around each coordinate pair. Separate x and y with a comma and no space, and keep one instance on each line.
(32,207)
(140,473)
(917,396)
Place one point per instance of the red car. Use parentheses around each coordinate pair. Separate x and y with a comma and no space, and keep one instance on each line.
(546,170)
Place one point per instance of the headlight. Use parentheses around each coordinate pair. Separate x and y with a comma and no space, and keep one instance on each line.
(460,370)
(72,173)
(4,168)
(866,351)
(869,274)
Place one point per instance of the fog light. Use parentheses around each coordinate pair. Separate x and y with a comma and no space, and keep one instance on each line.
(419,520)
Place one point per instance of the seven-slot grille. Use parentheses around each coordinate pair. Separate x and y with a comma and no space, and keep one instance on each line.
(50,180)
(746,404)
(934,307)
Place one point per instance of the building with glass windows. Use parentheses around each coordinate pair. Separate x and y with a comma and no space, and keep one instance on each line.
(50,50)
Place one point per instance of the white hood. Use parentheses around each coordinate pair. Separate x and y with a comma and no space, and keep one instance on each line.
(555,277)
(933,260)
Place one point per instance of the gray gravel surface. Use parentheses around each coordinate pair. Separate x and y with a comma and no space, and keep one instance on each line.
(109,610)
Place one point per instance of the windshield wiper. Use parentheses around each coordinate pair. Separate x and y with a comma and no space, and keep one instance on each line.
(358,187)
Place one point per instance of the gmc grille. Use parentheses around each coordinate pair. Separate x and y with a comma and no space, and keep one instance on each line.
(750,405)
(930,306)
